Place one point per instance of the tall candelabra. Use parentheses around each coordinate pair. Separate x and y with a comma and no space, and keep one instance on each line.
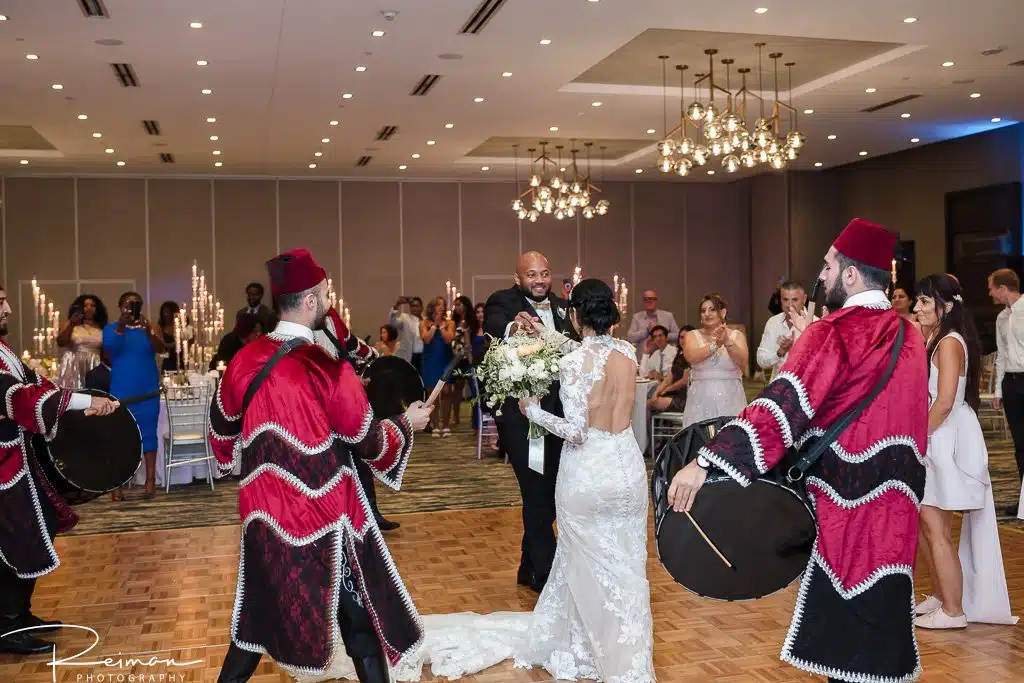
(196,329)
(621,295)
(451,293)
(338,304)
(46,323)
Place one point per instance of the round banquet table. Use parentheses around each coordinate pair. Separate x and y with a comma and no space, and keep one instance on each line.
(640,413)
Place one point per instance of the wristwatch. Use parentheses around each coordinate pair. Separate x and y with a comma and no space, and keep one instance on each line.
(703,462)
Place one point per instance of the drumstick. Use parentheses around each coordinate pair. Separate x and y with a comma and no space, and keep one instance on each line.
(708,541)
(444,378)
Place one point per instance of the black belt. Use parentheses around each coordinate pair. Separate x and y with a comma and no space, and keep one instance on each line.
(1013,375)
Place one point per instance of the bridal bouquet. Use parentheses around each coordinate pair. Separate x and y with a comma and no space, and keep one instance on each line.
(520,367)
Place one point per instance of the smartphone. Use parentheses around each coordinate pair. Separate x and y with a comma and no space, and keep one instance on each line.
(136,309)
(76,310)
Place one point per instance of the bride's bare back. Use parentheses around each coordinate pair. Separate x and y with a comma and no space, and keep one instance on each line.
(610,404)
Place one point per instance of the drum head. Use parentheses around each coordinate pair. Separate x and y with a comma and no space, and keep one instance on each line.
(95,454)
(393,385)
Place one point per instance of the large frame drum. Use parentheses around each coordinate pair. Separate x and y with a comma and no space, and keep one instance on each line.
(765,530)
(392,385)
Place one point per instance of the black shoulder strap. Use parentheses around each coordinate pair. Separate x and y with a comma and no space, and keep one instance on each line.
(807,459)
(281,352)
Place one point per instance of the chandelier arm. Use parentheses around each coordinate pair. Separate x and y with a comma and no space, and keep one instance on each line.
(760,75)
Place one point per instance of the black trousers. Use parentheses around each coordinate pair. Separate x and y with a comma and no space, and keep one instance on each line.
(537,491)
(369,485)
(1013,405)
(357,633)
(16,593)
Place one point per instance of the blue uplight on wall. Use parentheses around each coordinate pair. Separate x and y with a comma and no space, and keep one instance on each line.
(948,131)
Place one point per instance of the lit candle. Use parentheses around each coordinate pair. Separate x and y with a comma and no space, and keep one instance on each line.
(893,272)
(25,356)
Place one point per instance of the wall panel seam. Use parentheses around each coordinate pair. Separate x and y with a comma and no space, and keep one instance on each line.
(341,257)
(401,237)
(74,200)
(213,232)
(145,230)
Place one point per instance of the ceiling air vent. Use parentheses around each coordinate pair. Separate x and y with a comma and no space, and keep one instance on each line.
(386,132)
(481,15)
(1017,63)
(425,85)
(126,75)
(363,161)
(167,158)
(151,126)
(93,8)
(890,103)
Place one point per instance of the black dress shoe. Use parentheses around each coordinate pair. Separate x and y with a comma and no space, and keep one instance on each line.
(1010,511)
(40,625)
(23,643)
(372,669)
(386,524)
(524,577)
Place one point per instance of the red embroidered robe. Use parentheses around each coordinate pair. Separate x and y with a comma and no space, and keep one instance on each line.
(854,615)
(31,405)
(307,528)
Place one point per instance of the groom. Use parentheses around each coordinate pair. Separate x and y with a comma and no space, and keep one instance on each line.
(528,303)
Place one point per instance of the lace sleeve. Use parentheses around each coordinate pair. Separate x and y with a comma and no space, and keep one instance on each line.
(574,392)
(555,337)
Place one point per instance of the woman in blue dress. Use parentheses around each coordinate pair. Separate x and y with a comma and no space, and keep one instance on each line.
(132,344)
(437,332)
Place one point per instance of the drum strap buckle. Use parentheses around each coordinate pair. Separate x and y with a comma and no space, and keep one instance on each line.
(794,474)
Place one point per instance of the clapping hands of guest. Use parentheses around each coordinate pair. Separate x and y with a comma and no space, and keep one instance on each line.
(799,320)
(785,344)
(721,335)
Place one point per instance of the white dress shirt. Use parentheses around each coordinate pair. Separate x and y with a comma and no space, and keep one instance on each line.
(290,329)
(768,352)
(546,315)
(409,340)
(1009,342)
(659,360)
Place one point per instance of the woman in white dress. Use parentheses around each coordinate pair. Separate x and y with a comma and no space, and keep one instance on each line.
(593,618)
(717,356)
(970,585)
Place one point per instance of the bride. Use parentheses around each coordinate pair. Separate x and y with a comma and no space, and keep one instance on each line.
(593,618)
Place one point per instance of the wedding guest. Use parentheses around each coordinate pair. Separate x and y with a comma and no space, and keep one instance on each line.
(717,356)
(643,322)
(80,340)
(970,584)
(247,329)
(463,316)
(903,304)
(656,362)
(133,343)
(670,395)
(779,333)
(437,333)
(406,316)
(169,310)
(255,306)
(388,345)
(1004,288)
(479,344)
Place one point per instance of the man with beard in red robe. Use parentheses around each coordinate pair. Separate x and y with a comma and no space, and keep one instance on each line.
(314,568)
(854,616)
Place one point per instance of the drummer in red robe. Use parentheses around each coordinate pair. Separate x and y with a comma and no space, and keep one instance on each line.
(854,616)
(314,568)
(31,512)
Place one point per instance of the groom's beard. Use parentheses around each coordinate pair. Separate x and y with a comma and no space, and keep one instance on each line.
(835,297)
(531,296)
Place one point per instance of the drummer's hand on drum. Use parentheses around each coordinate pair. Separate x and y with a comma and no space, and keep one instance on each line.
(685,485)
(418,415)
(101,405)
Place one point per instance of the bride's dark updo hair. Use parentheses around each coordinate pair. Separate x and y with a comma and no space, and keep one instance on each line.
(594,303)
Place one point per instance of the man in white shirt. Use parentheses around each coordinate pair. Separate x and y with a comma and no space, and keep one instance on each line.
(1004,288)
(645,321)
(410,344)
(779,333)
(657,363)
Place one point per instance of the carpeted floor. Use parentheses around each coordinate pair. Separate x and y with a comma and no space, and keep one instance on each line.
(443,474)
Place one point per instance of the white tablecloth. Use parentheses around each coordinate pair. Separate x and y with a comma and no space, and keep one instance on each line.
(640,413)
(179,475)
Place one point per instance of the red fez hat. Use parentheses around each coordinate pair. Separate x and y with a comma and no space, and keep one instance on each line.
(867,243)
(293,272)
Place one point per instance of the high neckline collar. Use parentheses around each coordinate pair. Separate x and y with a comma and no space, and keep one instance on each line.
(289,329)
(872,298)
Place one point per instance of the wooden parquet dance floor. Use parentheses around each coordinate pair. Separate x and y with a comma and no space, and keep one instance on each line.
(168,594)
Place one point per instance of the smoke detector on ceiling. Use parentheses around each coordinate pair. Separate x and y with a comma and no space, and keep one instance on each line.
(389,14)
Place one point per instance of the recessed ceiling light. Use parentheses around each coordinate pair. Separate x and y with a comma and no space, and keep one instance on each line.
(214,138)
(431,142)
(24,162)
(402,167)
(109,150)
(211,119)
(975,95)
(947,64)
(334,123)
(218,164)
(195,24)
(416,156)
(32,57)
(863,154)
(360,69)
(97,135)
(216,152)
(808,111)
(201,62)
(545,41)
(83,117)
(378,34)
(760,10)
(347,96)
(449,125)
(817,164)
(485,168)
(915,139)
(711,171)
(553,129)
(506,74)
(996,120)
(596,104)
(478,100)
(318,154)
(562,170)
(3,17)
(910,20)
(651,131)
(325,140)
(57,86)
(120,163)
(870,90)
(312,165)
(832,137)
(207,91)
(639,170)
(904,115)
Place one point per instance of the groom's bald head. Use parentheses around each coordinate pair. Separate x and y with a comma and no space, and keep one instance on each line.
(533,275)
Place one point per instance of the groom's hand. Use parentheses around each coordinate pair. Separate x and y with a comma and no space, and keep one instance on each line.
(527,324)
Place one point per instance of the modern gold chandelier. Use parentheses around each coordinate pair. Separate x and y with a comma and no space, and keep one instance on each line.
(563,193)
(724,133)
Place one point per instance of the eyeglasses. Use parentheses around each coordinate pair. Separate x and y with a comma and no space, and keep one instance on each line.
(650,298)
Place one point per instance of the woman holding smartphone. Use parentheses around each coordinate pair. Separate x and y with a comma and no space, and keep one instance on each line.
(438,332)
(132,343)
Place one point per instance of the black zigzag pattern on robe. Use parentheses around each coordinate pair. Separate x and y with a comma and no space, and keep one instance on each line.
(313,470)
(854,480)
(871,634)
(220,424)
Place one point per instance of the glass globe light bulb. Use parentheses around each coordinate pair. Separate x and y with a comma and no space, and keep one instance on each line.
(533,216)
(732,123)
(763,156)
(665,164)
(588,212)
(686,146)
(517,205)
(585,198)
(556,182)
(561,202)
(576,187)
(559,215)
(761,124)
(683,167)
(773,147)
(574,200)
(538,204)
(716,148)
(713,131)
(710,112)
(549,206)
(570,212)
(778,162)
(731,163)
(535,181)
(763,137)
(791,152)
(522,214)
(746,142)
(795,140)
(544,193)
(666,147)
(748,159)
(695,112)
(727,146)
(603,206)
(700,155)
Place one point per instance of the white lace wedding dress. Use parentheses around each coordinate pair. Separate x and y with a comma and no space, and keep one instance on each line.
(593,618)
